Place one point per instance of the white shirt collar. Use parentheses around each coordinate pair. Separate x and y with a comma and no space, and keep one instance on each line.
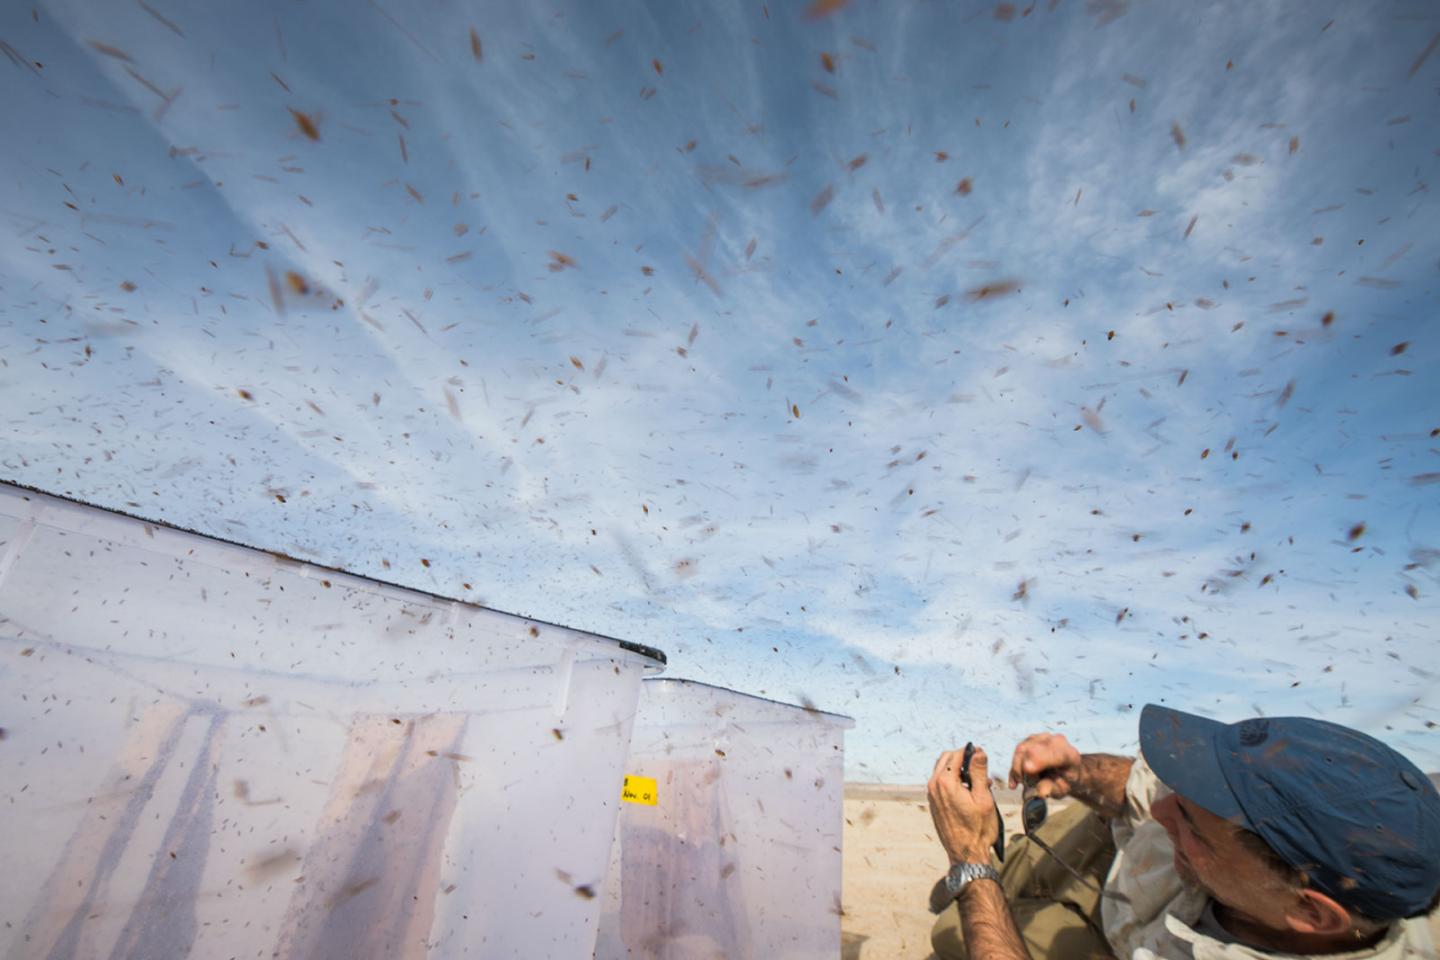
(1390,947)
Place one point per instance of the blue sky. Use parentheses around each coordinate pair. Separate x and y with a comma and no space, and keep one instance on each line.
(792,346)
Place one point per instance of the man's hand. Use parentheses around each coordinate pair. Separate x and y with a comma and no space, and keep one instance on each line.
(965,817)
(1058,770)
(1048,760)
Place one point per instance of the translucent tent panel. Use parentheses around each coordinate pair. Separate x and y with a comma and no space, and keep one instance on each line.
(739,855)
(213,751)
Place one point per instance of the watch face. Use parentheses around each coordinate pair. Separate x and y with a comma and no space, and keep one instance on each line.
(963,873)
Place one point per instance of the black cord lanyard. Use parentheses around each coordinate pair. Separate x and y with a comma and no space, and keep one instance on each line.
(1033,811)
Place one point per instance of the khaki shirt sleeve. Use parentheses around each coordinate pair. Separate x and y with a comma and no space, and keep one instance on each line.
(1142,788)
(1143,872)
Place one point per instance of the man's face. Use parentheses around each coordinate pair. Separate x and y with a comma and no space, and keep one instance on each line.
(1209,854)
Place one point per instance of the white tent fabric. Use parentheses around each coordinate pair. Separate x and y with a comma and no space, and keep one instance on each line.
(216,751)
(737,853)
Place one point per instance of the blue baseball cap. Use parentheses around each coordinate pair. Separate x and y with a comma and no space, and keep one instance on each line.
(1359,819)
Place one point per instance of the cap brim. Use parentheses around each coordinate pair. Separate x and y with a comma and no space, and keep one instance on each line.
(1181,748)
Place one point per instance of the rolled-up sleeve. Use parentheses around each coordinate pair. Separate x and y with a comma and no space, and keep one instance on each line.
(1142,788)
(1143,871)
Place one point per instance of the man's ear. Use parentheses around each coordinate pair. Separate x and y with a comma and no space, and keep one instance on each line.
(1315,913)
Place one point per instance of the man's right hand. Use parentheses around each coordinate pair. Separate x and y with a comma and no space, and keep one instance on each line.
(1050,762)
(1058,770)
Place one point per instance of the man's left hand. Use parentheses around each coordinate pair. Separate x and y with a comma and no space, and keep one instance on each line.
(965,817)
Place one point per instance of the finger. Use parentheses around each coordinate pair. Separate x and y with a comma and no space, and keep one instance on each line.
(1038,763)
(1034,749)
(947,767)
(1045,789)
(980,773)
(1017,772)
(941,761)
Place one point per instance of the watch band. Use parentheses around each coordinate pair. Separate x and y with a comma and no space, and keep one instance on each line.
(962,874)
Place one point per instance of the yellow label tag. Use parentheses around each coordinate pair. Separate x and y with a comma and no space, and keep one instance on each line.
(640,790)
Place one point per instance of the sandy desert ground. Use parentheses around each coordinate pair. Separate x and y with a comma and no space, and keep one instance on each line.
(892,859)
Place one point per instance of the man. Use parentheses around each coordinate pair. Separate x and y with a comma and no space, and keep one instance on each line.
(1264,838)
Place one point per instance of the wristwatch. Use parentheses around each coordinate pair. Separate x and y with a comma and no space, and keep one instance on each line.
(962,874)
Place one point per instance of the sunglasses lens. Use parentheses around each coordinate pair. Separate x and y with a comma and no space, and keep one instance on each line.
(1033,813)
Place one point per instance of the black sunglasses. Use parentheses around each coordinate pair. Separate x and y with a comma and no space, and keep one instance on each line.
(1033,811)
